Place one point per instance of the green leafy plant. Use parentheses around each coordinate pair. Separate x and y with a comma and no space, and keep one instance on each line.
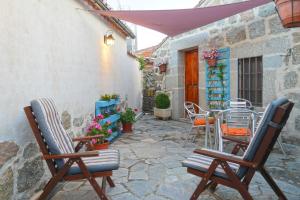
(162,101)
(115,96)
(128,116)
(142,62)
(105,97)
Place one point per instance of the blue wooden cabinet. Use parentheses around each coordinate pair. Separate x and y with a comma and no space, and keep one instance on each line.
(109,107)
(218,80)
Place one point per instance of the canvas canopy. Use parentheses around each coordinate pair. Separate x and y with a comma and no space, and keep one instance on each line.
(174,22)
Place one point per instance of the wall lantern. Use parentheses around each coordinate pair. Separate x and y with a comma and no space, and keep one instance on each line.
(289,12)
(109,40)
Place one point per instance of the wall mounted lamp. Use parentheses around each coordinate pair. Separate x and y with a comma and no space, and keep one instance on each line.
(109,40)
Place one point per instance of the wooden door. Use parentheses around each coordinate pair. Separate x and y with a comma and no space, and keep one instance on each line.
(191,77)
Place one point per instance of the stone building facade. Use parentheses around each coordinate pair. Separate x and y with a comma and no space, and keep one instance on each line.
(54,48)
(257,32)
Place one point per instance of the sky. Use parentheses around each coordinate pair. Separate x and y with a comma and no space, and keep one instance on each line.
(147,37)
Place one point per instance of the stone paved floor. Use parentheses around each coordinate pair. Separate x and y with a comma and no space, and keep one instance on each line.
(151,168)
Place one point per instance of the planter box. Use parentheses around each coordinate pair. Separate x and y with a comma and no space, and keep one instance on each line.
(163,113)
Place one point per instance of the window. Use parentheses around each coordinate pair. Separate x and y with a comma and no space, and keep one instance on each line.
(250,71)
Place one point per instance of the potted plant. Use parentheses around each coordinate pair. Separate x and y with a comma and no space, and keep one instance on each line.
(127,118)
(211,57)
(162,106)
(162,67)
(105,97)
(142,62)
(289,12)
(95,129)
(115,97)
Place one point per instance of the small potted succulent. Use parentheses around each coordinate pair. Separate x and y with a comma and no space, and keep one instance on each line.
(95,129)
(105,97)
(162,106)
(115,97)
(127,118)
(211,57)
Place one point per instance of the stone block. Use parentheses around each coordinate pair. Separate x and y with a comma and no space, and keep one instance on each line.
(248,49)
(276,26)
(236,34)
(294,97)
(296,37)
(276,45)
(269,90)
(232,19)
(190,41)
(216,42)
(297,122)
(290,80)
(296,54)
(7,151)
(7,184)
(66,120)
(247,16)
(272,62)
(267,10)
(30,150)
(256,29)
(30,174)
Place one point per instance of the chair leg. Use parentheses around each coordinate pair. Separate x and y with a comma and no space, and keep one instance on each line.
(55,179)
(279,141)
(110,182)
(104,178)
(272,184)
(92,180)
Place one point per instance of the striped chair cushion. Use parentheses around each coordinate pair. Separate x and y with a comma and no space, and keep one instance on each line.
(202,163)
(107,160)
(58,141)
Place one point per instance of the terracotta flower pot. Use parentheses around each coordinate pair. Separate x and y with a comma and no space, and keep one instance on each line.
(127,127)
(289,12)
(162,68)
(211,62)
(101,146)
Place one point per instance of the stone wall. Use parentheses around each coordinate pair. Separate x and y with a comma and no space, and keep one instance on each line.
(257,32)
(53,48)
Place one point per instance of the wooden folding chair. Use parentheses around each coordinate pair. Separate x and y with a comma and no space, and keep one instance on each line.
(65,162)
(237,172)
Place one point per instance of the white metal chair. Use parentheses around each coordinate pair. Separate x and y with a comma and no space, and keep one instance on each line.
(238,103)
(238,122)
(199,119)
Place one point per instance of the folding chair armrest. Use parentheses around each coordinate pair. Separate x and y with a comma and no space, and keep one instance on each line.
(72,155)
(235,140)
(86,138)
(226,158)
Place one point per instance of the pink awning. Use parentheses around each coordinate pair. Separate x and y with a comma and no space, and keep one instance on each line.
(174,22)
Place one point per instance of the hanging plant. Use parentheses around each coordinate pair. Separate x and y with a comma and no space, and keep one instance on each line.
(211,57)
(289,12)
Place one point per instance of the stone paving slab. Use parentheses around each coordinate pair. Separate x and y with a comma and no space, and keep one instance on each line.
(151,168)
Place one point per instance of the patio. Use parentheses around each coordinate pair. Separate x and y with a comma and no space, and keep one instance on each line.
(151,168)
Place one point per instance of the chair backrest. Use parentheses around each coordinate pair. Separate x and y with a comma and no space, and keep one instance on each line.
(238,103)
(193,109)
(49,123)
(262,143)
(238,118)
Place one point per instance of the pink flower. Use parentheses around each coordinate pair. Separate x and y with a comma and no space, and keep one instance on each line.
(97,126)
(108,122)
(109,131)
(94,141)
(100,116)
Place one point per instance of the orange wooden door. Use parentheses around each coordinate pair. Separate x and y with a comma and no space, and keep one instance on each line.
(191,77)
